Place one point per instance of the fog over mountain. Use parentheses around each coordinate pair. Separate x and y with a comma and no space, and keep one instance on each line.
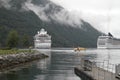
(68,12)
(5,3)
(29,16)
(47,10)
(104,15)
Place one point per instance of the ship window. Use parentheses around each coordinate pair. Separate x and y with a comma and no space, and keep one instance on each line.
(101,43)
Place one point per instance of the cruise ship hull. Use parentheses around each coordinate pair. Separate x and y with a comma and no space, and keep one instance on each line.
(43,45)
(108,42)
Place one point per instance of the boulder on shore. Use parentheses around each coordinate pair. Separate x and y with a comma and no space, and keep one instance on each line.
(14,59)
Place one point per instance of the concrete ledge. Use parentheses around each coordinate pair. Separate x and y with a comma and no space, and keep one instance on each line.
(82,74)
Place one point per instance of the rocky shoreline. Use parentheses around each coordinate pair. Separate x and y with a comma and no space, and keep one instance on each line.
(10,60)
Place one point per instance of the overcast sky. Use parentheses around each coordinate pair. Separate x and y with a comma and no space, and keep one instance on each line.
(102,14)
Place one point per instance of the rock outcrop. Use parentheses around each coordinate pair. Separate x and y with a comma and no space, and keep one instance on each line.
(15,59)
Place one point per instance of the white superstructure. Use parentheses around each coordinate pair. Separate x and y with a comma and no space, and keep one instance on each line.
(108,42)
(42,39)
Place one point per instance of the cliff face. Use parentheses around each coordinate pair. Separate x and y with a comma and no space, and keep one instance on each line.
(63,28)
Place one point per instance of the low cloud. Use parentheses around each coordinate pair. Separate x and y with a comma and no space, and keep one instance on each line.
(46,12)
(71,12)
(5,4)
(104,15)
(61,16)
(65,17)
(38,10)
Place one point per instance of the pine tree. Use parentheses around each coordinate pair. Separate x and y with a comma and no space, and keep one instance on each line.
(12,39)
(25,41)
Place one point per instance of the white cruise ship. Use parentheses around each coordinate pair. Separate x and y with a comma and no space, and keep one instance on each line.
(42,40)
(108,42)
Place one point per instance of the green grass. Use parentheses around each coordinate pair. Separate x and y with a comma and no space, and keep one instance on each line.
(4,52)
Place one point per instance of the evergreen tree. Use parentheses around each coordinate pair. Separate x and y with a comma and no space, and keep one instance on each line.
(25,41)
(12,39)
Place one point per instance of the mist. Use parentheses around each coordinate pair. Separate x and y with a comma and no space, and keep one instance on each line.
(58,14)
(103,15)
(5,4)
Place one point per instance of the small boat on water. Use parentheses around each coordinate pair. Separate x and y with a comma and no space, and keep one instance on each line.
(108,42)
(79,49)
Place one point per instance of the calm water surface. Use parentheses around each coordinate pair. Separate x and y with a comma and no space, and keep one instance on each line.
(60,64)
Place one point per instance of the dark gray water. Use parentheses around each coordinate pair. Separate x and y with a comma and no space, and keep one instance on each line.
(59,66)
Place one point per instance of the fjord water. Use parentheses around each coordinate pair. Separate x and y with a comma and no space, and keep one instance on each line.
(60,64)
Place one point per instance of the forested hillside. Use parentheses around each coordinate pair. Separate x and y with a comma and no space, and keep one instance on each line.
(28,23)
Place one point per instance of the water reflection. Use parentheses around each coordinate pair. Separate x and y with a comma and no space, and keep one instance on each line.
(105,58)
(59,66)
(113,55)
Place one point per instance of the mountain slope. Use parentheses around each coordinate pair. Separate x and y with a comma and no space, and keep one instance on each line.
(63,35)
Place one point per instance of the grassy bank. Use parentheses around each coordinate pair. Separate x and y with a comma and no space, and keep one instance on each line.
(14,51)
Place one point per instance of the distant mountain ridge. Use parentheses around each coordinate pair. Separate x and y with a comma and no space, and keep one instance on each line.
(27,22)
